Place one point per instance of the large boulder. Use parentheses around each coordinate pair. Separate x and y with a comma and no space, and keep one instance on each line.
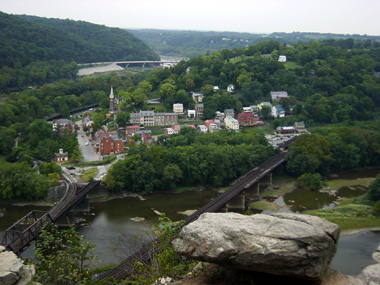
(281,243)
(12,269)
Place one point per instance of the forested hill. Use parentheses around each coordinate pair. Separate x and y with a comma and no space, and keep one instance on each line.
(198,43)
(27,39)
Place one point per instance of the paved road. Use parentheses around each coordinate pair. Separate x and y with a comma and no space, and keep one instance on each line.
(87,151)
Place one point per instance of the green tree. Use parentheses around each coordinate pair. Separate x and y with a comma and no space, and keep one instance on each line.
(167,90)
(310,181)
(374,190)
(63,257)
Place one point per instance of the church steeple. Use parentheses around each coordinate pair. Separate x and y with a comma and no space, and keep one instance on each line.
(111,94)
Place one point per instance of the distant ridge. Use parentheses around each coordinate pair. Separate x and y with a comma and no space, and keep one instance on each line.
(28,39)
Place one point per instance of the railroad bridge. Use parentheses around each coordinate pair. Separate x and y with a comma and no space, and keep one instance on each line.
(243,183)
(19,236)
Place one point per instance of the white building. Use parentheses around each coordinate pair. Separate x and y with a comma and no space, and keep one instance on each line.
(202,128)
(216,88)
(231,123)
(278,95)
(191,113)
(247,110)
(178,108)
(278,111)
(230,88)
(282,58)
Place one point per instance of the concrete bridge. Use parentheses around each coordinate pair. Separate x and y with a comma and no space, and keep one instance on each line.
(141,63)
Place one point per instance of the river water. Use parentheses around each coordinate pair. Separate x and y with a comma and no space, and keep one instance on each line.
(110,227)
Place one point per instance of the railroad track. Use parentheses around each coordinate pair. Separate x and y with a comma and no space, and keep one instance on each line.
(148,251)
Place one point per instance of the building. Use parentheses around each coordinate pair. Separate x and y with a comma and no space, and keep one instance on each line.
(61,156)
(62,124)
(150,118)
(197,97)
(146,135)
(114,102)
(208,122)
(131,130)
(278,95)
(170,131)
(219,116)
(247,110)
(282,58)
(231,88)
(300,127)
(108,145)
(178,108)
(213,127)
(199,107)
(191,113)
(278,111)
(202,128)
(262,104)
(231,123)
(229,112)
(248,119)
(215,88)
(285,130)
(254,108)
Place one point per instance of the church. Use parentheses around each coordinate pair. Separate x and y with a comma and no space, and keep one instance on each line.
(114,102)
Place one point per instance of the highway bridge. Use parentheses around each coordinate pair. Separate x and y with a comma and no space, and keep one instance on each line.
(147,252)
(24,231)
(133,63)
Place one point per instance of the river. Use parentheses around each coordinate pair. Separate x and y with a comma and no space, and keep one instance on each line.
(109,224)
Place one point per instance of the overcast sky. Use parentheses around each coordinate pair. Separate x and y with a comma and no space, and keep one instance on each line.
(253,16)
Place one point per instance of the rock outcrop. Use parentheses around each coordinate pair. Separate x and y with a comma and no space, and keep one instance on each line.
(281,244)
(12,269)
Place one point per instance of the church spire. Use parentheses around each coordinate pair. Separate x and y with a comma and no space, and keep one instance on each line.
(111,94)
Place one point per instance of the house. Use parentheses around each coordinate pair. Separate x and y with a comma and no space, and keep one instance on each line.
(231,123)
(146,135)
(63,124)
(213,127)
(199,107)
(191,113)
(197,97)
(208,122)
(278,95)
(231,88)
(219,116)
(248,119)
(278,111)
(216,88)
(300,127)
(150,118)
(61,156)
(170,131)
(202,128)
(266,104)
(247,110)
(131,130)
(229,112)
(110,144)
(282,58)
(254,108)
(178,108)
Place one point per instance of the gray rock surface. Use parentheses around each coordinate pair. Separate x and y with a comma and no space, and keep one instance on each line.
(282,243)
(12,269)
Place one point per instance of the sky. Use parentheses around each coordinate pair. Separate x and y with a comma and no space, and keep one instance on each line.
(252,16)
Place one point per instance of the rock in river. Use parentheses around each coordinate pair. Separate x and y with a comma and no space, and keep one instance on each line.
(280,243)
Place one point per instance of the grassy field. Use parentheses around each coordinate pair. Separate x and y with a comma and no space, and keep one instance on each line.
(336,184)
(350,216)
(157,132)
(88,174)
(263,205)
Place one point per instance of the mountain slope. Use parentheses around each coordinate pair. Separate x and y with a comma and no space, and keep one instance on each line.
(29,38)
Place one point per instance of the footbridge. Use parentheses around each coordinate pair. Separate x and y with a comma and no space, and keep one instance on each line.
(241,184)
(19,236)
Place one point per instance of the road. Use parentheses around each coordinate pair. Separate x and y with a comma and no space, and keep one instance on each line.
(87,151)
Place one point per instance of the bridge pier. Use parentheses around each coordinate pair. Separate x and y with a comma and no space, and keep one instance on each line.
(237,203)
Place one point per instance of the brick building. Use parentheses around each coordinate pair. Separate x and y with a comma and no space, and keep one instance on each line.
(248,119)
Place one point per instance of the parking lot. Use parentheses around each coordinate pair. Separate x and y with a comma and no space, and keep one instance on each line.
(276,140)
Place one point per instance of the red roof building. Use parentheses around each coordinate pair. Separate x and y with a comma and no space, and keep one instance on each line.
(109,145)
(248,119)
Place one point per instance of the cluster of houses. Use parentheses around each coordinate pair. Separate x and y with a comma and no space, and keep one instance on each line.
(108,142)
